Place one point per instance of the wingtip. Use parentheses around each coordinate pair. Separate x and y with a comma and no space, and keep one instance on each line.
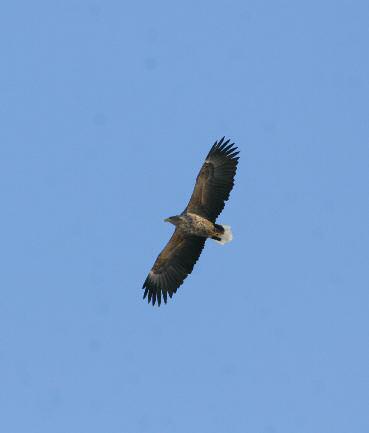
(224,147)
(154,295)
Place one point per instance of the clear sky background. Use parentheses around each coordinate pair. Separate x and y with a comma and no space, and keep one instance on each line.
(107,110)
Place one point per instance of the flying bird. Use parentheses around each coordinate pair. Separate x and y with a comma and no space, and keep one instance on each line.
(195,224)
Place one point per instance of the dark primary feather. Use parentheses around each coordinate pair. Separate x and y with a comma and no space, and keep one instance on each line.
(172,266)
(214,181)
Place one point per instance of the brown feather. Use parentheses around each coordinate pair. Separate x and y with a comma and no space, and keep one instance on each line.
(214,181)
(172,266)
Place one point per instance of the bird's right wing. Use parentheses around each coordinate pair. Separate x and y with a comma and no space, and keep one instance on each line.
(172,266)
(214,181)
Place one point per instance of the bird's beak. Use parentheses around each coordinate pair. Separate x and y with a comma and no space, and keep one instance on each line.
(166,220)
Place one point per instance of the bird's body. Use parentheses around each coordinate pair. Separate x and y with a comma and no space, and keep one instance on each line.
(195,224)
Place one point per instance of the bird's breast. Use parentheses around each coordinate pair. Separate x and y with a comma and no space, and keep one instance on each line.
(196,225)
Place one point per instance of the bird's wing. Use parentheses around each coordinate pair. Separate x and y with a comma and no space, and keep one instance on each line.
(214,181)
(172,266)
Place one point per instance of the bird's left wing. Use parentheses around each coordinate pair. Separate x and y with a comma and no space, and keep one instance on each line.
(172,266)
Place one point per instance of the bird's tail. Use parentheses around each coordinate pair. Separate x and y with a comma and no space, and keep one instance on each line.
(224,236)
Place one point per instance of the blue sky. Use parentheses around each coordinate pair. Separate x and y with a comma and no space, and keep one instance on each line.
(107,111)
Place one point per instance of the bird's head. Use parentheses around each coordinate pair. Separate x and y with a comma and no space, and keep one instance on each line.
(173,220)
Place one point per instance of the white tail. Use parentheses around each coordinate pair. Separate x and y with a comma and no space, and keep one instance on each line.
(227,236)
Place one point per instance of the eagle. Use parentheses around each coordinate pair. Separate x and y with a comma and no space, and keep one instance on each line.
(195,224)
